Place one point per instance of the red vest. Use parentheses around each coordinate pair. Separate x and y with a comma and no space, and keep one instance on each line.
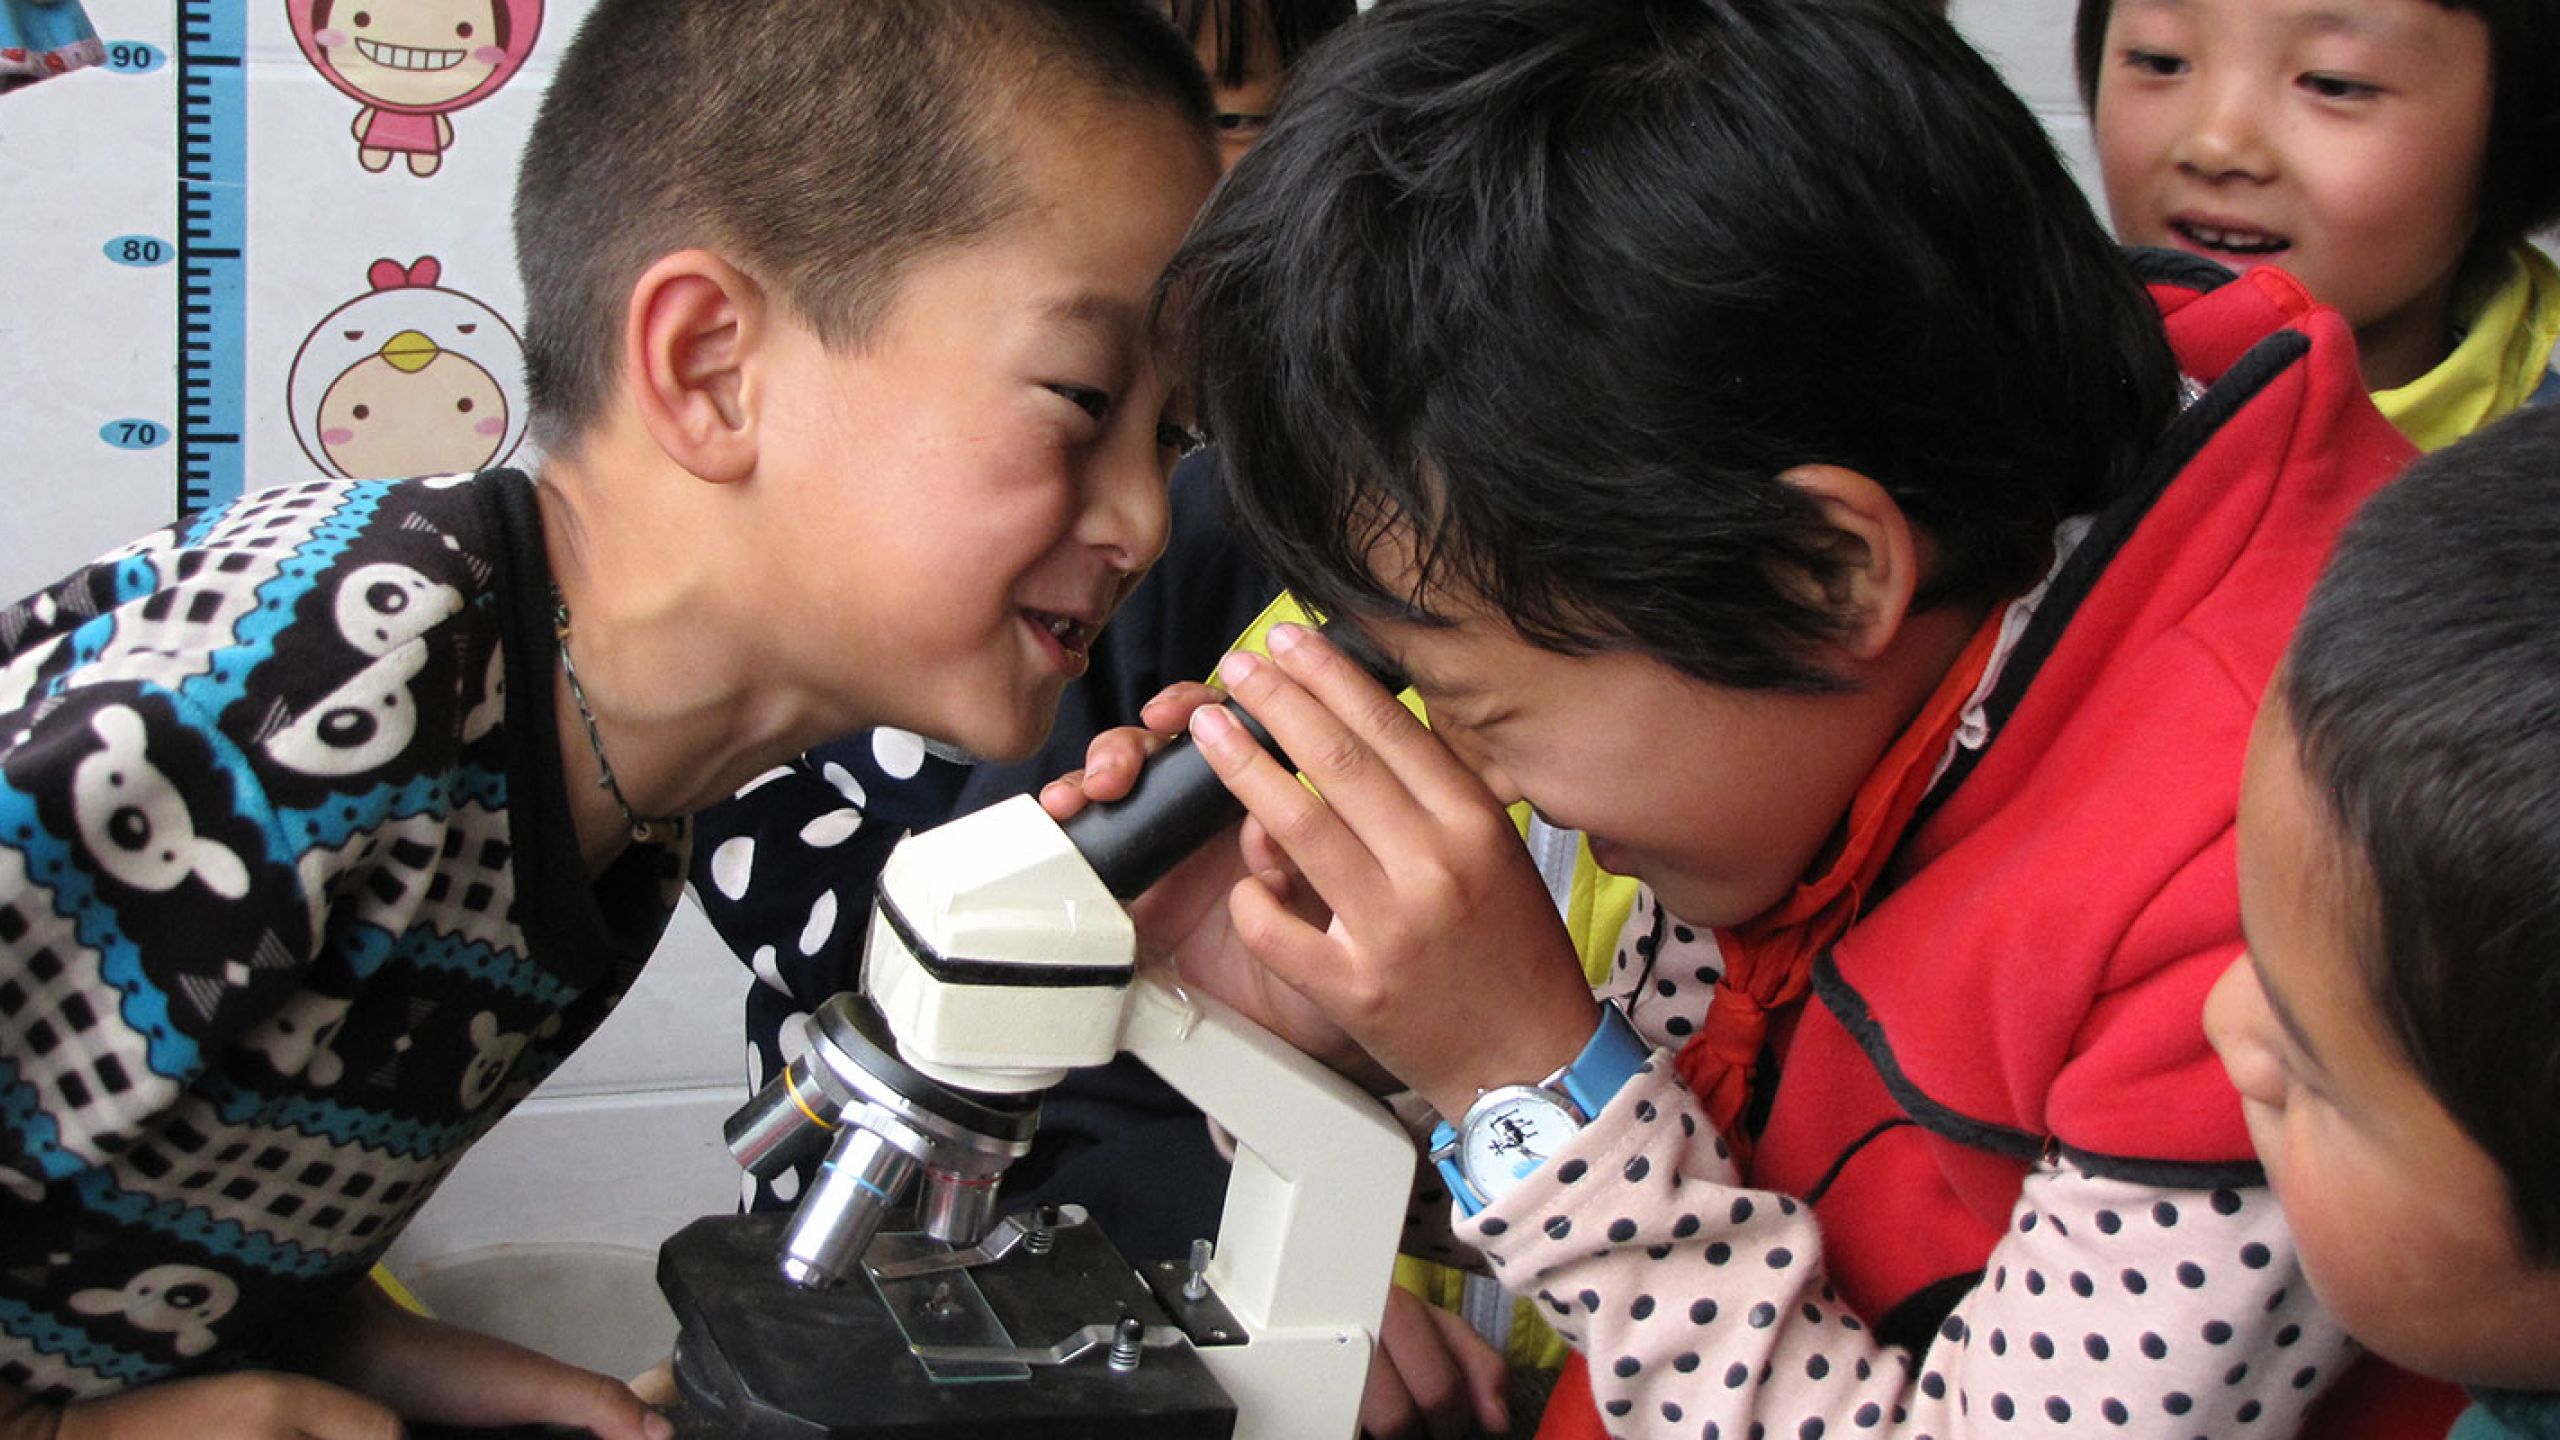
(2032,979)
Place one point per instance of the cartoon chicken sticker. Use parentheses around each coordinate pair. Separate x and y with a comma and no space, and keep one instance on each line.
(409,378)
(412,63)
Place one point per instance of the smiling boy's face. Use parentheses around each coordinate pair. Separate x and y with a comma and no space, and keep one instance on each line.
(2404,1223)
(960,500)
(2341,140)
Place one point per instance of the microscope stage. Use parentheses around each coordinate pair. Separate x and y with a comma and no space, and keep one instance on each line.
(760,1360)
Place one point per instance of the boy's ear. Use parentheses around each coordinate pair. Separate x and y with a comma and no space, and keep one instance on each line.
(694,322)
(1877,557)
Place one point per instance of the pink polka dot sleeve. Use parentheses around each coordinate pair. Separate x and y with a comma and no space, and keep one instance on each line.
(2109,1307)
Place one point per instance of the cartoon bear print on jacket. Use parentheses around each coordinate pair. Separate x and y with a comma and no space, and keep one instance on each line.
(183,1302)
(135,823)
(498,1049)
(385,606)
(366,722)
(296,1040)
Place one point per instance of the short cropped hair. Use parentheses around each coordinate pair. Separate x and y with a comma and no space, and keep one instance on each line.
(1295,25)
(1557,289)
(2424,688)
(2520,176)
(821,145)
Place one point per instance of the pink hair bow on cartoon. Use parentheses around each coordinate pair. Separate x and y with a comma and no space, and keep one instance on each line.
(388,274)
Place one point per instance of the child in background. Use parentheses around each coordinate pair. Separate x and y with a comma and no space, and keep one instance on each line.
(2393,155)
(332,821)
(1247,46)
(1731,418)
(2395,1028)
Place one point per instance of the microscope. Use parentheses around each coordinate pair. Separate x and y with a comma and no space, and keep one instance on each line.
(896,1299)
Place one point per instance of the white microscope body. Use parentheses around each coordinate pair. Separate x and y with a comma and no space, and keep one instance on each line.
(999,959)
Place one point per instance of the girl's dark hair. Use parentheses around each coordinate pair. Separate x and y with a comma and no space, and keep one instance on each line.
(1295,26)
(2520,177)
(2424,688)
(1563,286)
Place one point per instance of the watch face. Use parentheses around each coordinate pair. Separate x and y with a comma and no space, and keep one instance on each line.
(1509,1133)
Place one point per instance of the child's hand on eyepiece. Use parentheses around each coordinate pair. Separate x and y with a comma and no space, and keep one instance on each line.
(1113,759)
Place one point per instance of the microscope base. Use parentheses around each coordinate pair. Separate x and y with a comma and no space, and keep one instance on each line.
(757,1359)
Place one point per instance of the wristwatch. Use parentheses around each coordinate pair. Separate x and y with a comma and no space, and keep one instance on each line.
(1508,1133)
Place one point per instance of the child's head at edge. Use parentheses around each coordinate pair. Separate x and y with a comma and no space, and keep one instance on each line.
(1649,327)
(1248,47)
(819,146)
(2392,1032)
(2390,153)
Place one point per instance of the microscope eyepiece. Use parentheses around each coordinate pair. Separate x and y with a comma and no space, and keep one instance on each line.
(1176,804)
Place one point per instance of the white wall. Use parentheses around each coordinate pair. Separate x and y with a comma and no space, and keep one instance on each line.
(2031,41)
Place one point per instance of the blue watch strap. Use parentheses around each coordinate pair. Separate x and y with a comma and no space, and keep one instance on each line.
(1444,1154)
(1588,1082)
(1612,1057)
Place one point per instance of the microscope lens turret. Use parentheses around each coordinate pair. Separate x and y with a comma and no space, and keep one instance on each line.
(844,1207)
(787,1121)
(881,1123)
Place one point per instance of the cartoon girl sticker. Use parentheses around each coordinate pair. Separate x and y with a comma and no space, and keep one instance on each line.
(408,378)
(410,63)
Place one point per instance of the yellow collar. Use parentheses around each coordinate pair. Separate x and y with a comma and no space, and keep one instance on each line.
(2503,356)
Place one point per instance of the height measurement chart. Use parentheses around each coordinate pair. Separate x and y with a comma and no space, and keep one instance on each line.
(268,241)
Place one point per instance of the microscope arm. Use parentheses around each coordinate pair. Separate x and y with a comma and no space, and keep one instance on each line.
(1307,1242)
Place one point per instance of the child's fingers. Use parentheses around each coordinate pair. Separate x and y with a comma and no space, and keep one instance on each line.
(1113,758)
(1387,1411)
(1487,1375)
(511,1385)
(1173,705)
(1232,970)
(1064,796)
(1355,782)
(1112,761)
(1426,1367)
(1392,782)
(1424,766)
(1304,991)
(656,1386)
(1261,852)
(1337,862)
(605,1408)
(1293,950)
